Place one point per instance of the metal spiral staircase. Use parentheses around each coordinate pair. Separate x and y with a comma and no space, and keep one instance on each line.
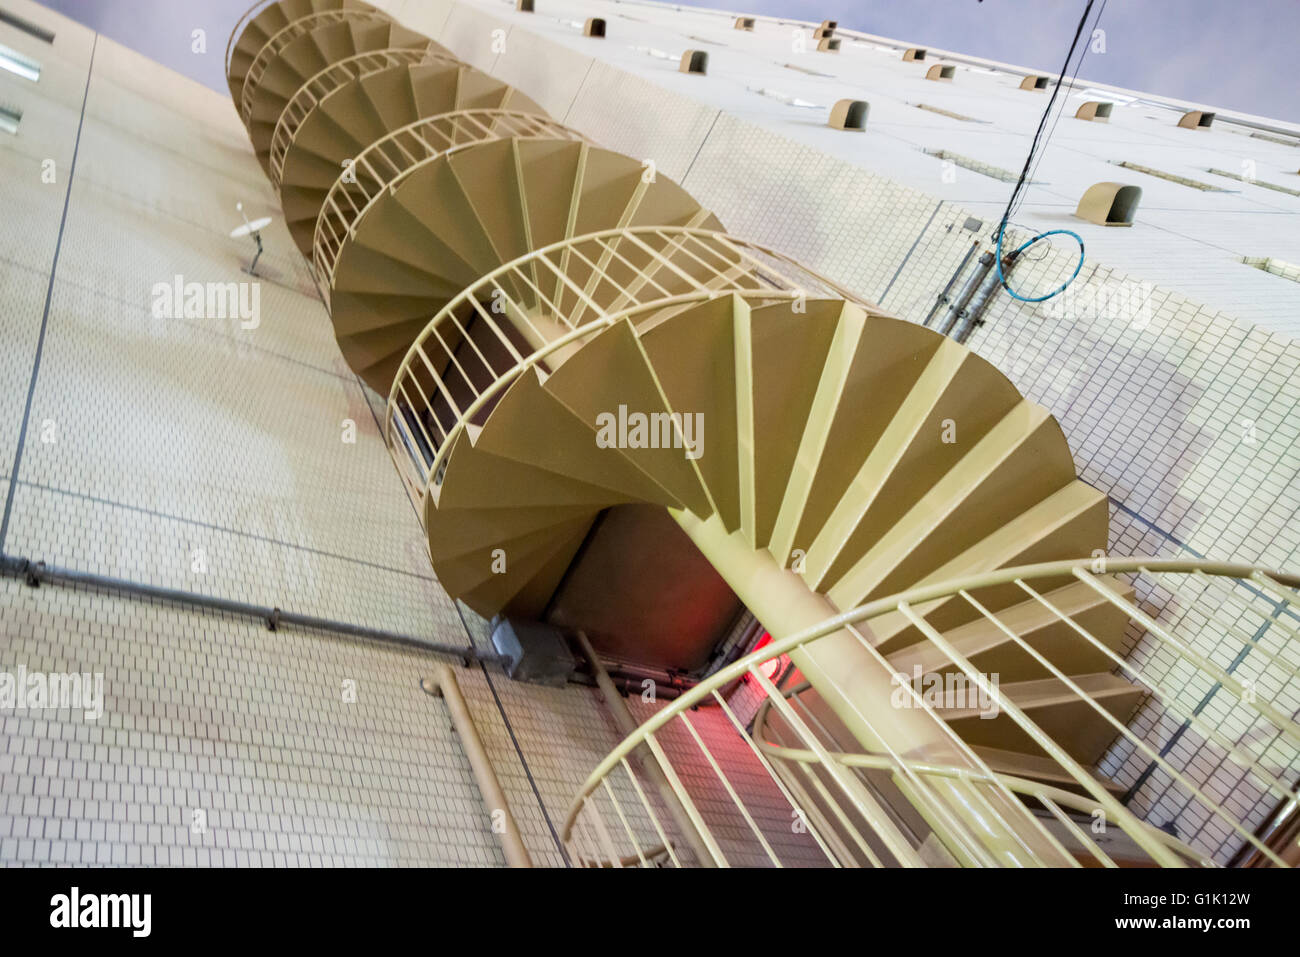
(561,331)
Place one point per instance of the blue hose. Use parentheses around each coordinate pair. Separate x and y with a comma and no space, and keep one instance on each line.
(1022,247)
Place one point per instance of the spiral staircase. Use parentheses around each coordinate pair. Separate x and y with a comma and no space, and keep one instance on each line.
(561,332)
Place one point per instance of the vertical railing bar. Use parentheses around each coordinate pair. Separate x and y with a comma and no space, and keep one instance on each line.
(631,293)
(823,793)
(767,766)
(597,276)
(1093,847)
(428,403)
(963,749)
(1211,609)
(442,386)
(591,848)
(562,280)
(1284,724)
(602,833)
(463,329)
(1125,733)
(1284,594)
(415,414)
(688,805)
(1244,759)
(636,845)
(731,792)
(914,787)
(654,818)
(1039,737)
(451,357)
(957,828)
(865,804)
(664,259)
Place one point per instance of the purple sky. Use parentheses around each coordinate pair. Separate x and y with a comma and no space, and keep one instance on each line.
(1238,54)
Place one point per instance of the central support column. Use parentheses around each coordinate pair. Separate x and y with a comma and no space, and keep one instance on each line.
(857,688)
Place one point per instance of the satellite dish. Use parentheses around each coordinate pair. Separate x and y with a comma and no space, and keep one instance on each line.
(248,228)
(253,229)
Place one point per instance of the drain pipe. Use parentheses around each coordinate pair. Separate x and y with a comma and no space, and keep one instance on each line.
(943,299)
(971,316)
(36,574)
(443,684)
(645,760)
(958,307)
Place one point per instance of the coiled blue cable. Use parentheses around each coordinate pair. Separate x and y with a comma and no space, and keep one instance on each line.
(1022,247)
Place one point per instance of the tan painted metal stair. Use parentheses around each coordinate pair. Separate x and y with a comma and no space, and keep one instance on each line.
(358,122)
(465,212)
(559,331)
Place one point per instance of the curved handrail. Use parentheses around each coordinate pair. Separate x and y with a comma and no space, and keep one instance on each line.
(332,78)
(743,250)
(1265,579)
(881,762)
(237,32)
(341,211)
(284,36)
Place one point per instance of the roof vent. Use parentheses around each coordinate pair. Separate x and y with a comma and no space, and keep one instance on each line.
(524,6)
(1095,111)
(849,115)
(10,117)
(24,66)
(33,29)
(1275,266)
(694,61)
(829,44)
(913,53)
(941,71)
(827,28)
(1196,120)
(744,23)
(1109,204)
(1034,83)
(594,27)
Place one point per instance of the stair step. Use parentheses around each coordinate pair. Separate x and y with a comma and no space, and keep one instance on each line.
(613,377)
(489,178)
(989,649)
(1067,524)
(694,360)
(1070,721)
(523,556)
(531,580)
(1018,462)
(887,359)
(781,346)
(1037,767)
(958,397)
(529,425)
(477,480)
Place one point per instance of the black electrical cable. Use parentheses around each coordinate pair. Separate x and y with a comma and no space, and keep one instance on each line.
(1042,123)
(1061,110)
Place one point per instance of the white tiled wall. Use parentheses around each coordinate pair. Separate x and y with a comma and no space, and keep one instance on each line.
(197,455)
(1186,416)
(174,436)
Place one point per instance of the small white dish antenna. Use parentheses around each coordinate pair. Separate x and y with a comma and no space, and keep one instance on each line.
(253,229)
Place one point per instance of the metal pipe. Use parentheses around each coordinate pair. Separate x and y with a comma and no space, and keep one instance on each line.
(967,291)
(648,764)
(970,317)
(38,573)
(443,683)
(952,281)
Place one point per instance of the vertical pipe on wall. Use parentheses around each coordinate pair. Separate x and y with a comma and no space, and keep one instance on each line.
(444,683)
